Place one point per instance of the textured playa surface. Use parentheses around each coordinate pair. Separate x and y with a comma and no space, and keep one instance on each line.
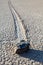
(32,14)
(6,22)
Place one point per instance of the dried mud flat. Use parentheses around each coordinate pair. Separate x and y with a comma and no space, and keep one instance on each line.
(8,57)
(34,25)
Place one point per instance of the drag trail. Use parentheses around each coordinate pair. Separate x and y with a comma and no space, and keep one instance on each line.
(19,28)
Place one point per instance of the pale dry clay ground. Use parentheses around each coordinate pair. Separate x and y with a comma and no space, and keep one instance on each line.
(32,14)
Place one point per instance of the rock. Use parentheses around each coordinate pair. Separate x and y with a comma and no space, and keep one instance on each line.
(13,50)
(20,47)
(23,46)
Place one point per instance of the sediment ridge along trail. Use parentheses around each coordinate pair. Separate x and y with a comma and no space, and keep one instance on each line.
(19,29)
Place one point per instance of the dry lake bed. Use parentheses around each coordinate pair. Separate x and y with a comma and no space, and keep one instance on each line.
(31,12)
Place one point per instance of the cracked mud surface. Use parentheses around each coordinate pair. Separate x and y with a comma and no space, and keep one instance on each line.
(7,56)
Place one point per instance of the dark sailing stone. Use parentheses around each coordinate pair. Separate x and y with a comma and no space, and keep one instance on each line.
(22,47)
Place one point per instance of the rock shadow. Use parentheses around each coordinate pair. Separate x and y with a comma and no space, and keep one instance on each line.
(32,54)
